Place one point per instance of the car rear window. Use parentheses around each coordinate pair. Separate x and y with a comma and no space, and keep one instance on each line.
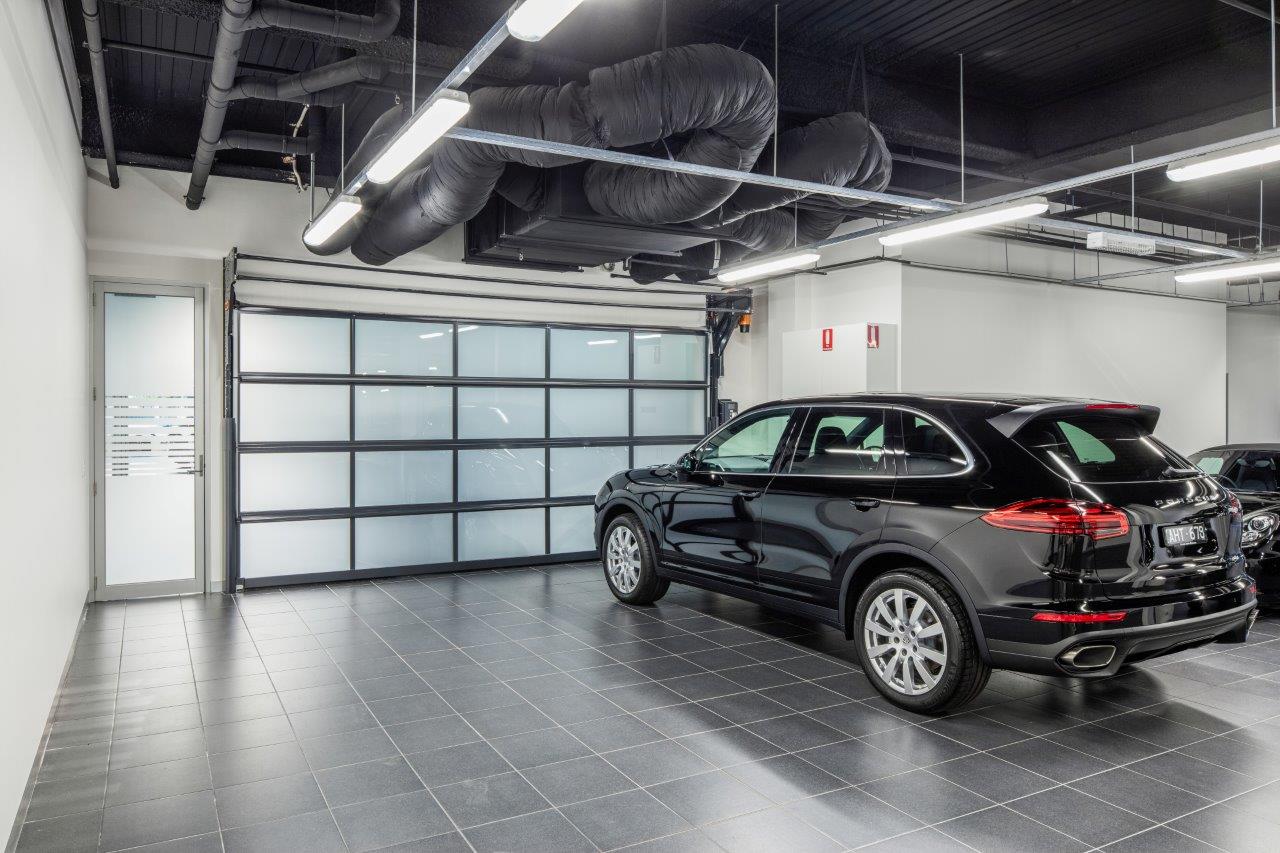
(1101,449)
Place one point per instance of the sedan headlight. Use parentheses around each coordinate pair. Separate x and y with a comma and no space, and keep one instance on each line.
(1258,528)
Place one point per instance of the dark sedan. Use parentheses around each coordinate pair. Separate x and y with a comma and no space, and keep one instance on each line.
(1252,471)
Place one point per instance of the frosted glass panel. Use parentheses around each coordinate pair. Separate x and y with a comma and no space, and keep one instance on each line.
(398,477)
(670,356)
(403,412)
(402,348)
(589,412)
(501,474)
(149,437)
(572,529)
(500,534)
(589,354)
(279,343)
(294,412)
(506,351)
(275,548)
(404,540)
(275,481)
(583,470)
(646,456)
(501,413)
(669,412)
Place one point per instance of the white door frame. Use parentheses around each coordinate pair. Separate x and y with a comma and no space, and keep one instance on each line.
(199,583)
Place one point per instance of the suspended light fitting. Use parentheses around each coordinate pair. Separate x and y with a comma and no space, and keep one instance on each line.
(433,120)
(337,214)
(535,18)
(1222,162)
(1228,272)
(762,267)
(973,221)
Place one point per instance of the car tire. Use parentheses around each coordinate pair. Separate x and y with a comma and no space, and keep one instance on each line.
(916,644)
(630,567)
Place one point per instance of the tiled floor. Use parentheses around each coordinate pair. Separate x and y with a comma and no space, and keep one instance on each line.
(526,710)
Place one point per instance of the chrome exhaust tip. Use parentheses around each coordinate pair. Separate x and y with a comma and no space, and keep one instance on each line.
(1088,657)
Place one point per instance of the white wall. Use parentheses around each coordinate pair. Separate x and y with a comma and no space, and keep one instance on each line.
(1253,364)
(143,231)
(45,518)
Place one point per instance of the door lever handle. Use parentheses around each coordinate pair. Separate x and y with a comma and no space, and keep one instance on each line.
(864,504)
(751,494)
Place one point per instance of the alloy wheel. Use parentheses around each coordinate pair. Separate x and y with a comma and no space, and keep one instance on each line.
(622,559)
(905,641)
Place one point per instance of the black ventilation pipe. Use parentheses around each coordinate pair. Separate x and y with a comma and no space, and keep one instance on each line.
(326,86)
(98,66)
(239,17)
(843,150)
(722,97)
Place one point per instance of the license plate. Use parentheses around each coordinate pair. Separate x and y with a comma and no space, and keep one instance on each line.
(1184,534)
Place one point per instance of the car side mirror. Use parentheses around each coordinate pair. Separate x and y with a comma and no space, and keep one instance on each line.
(688,462)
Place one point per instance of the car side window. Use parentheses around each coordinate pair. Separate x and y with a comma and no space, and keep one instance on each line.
(747,445)
(1255,471)
(843,442)
(928,450)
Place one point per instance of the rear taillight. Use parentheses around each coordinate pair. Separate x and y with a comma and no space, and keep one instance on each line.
(1126,407)
(1080,618)
(1061,516)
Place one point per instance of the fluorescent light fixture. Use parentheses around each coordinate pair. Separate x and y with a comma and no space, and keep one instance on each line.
(1230,271)
(1221,162)
(602,343)
(961,222)
(333,217)
(432,120)
(767,266)
(535,18)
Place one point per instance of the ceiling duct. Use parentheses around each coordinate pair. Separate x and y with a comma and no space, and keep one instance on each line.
(720,99)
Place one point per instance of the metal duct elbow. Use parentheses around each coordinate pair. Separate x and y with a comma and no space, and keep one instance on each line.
(295,16)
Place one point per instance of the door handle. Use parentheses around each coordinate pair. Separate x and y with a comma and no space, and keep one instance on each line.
(751,494)
(864,504)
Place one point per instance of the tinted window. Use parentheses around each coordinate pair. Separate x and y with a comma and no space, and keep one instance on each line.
(1100,449)
(1210,462)
(1253,471)
(842,442)
(927,449)
(746,445)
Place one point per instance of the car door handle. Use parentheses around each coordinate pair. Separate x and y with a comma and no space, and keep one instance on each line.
(864,504)
(751,494)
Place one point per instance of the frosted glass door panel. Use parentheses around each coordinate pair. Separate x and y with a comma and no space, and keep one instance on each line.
(397,478)
(403,413)
(402,348)
(589,354)
(502,413)
(589,412)
(404,540)
(277,481)
(502,534)
(648,455)
(501,474)
(572,529)
(583,470)
(670,412)
(149,438)
(512,352)
(280,343)
(275,548)
(270,412)
(669,356)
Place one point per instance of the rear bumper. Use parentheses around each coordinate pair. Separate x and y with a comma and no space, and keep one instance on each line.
(1016,642)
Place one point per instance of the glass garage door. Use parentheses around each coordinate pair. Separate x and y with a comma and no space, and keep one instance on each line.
(376,446)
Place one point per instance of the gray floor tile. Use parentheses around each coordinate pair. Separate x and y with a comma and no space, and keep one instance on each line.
(373,780)
(852,817)
(709,797)
(1072,813)
(541,747)
(329,721)
(624,819)
(452,764)
(156,781)
(769,831)
(492,798)
(1141,794)
(657,762)
(76,833)
(926,797)
(436,733)
(270,799)
(66,797)
(248,734)
(391,820)
(72,761)
(348,748)
(999,830)
(158,820)
(315,832)
(577,780)
(547,830)
(154,749)
(256,764)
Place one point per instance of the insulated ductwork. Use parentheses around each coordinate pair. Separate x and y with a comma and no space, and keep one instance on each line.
(844,150)
(238,17)
(326,86)
(723,98)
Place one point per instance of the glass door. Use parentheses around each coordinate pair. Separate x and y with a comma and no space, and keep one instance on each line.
(149,440)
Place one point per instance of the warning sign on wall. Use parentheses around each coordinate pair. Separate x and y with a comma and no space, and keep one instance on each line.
(828,339)
(873,336)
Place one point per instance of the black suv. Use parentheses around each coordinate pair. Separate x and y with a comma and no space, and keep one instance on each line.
(945,535)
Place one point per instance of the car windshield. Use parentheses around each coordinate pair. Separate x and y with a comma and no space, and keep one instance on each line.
(1099,449)
(1243,471)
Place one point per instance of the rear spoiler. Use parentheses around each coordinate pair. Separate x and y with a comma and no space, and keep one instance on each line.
(1008,423)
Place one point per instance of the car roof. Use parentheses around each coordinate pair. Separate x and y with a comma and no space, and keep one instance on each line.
(1011,401)
(1232,447)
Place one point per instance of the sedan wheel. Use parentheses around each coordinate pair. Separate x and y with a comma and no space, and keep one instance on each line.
(622,559)
(905,641)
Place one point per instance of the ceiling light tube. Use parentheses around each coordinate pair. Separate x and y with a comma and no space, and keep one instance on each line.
(343,209)
(1221,162)
(432,120)
(1230,271)
(535,18)
(972,221)
(767,266)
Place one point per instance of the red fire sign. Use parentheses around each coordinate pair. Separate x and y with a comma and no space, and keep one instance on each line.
(828,339)
(873,336)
